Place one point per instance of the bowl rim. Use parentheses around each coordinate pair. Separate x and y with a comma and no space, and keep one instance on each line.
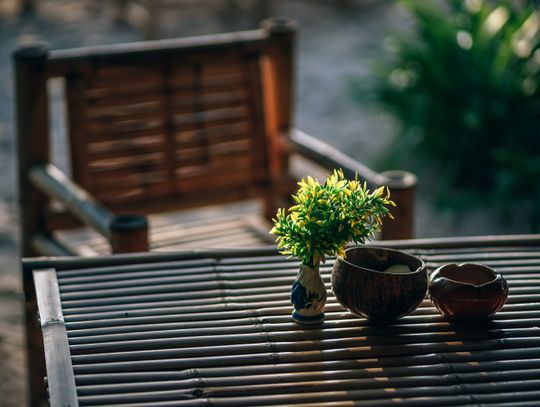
(420,269)
(496,276)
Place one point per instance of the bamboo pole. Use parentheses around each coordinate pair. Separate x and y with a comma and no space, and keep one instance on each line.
(45,244)
(417,396)
(350,326)
(297,341)
(432,375)
(32,147)
(299,351)
(444,362)
(55,184)
(205,311)
(251,301)
(205,279)
(361,389)
(60,378)
(206,272)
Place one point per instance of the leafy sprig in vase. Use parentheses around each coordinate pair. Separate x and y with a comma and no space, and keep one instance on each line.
(325,218)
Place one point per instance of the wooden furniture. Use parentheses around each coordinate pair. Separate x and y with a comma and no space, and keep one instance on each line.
(214,328)
(167,125)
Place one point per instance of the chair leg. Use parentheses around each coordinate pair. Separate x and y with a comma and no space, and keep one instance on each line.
(270,207)
(129,234)
(275,198)
(402,186)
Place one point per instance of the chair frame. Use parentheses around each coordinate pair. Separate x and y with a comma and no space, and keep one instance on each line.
(39,181)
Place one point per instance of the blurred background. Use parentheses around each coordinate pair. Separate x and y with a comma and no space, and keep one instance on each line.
(447,89)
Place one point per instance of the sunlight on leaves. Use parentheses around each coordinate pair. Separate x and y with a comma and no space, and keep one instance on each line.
(328,216)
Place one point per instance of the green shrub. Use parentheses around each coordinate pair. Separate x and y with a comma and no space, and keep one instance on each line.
(465,90)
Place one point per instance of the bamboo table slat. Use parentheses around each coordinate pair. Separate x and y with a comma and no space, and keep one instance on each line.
(213,328)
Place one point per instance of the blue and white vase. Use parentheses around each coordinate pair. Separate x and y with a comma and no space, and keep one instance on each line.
(308,296)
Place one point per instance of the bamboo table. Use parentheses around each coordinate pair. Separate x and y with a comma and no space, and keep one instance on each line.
(214,329)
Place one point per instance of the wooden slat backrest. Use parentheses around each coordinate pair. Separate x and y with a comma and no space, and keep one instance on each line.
(173,120)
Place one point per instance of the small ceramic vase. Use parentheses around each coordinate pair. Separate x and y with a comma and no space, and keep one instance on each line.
(308,296)
(467,292)
(379,284)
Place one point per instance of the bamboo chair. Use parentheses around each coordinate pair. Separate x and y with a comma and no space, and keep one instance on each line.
(167,125)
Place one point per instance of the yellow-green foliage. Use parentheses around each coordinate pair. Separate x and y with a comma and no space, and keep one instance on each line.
(326,217)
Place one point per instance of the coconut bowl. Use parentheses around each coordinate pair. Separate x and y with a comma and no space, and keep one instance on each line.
(361,284)
(467,292)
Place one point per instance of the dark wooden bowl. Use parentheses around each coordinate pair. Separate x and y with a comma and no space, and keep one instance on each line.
(467,292)
(360,284)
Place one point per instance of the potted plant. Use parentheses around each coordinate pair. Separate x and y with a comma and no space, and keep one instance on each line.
(325,218)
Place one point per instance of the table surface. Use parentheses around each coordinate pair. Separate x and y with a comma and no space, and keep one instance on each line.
(208,328)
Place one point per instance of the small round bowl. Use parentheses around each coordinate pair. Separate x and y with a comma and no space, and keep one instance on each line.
(467,292)
(360,283)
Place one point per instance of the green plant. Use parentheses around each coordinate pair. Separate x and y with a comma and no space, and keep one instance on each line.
(465,90)
(326,217)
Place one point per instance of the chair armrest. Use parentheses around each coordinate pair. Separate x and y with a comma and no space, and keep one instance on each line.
(125,232)
(330,158)
(402,184)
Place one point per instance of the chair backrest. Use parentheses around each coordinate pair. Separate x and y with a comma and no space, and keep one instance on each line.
(166,124)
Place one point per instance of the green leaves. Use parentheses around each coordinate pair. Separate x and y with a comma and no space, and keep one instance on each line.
(466,91)
(328,216)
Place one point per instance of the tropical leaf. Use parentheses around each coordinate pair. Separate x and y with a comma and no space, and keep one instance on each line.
(465,88)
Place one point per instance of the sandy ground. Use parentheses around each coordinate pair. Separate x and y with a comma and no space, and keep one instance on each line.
(336,42)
